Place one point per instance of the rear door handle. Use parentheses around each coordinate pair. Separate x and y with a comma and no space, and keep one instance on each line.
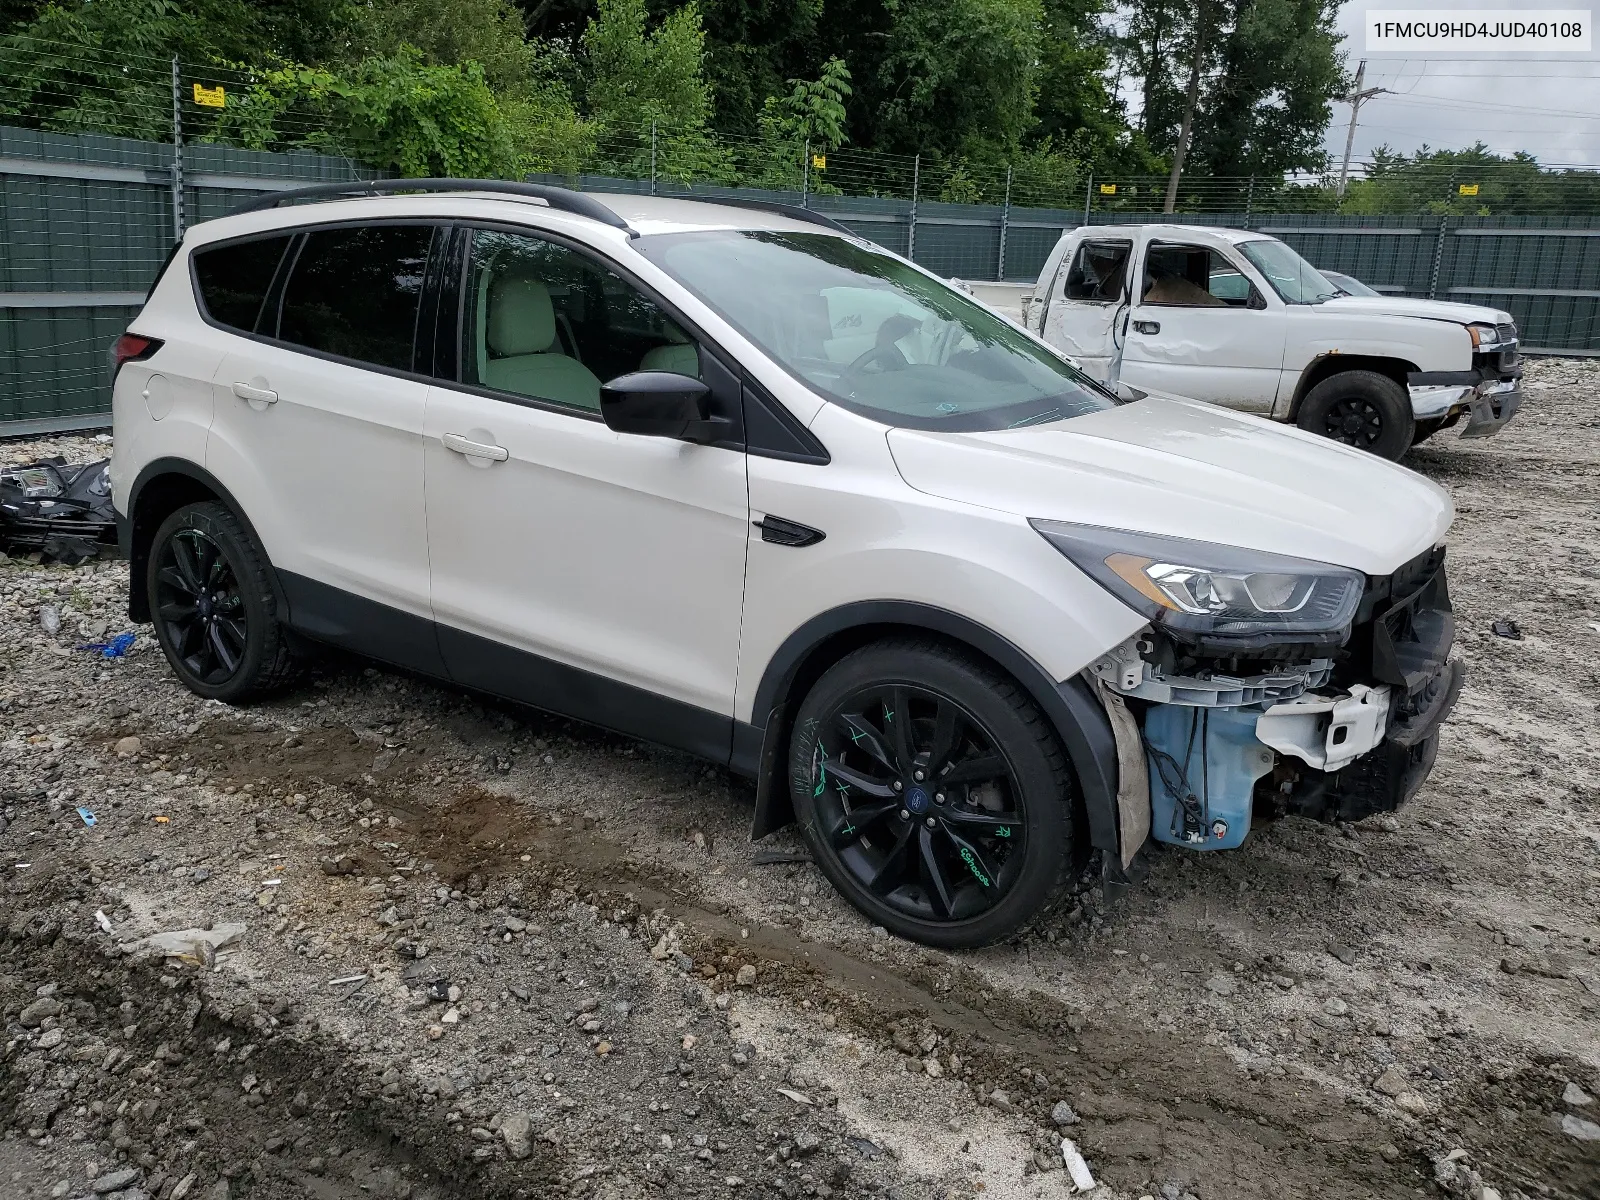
(1147,326)
(254,394)
(472,449)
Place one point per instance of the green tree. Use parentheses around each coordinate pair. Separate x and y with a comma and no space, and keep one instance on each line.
(1429,181)
(953,73)
(530,79)
(813,113)
(637,75)
(1076,106)
(398,114)
(1270,70)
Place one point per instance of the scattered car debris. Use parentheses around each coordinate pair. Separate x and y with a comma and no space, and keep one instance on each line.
(344,979)
(87,816)
(1507,628)
(102,920)
(61,513)
(797,1097)
(196,947)
(117,647)
(1077,1168)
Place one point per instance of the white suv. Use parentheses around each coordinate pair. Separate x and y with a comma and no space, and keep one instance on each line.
(733,480)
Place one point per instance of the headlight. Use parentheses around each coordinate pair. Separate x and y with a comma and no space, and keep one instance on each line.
(1483,336)
(1201,588)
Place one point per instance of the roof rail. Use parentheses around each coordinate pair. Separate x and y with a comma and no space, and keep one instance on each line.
(560,198)
(793,211)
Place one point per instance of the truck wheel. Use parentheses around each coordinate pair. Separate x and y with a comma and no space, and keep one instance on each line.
(1362,409)
(213,606)
(933,793)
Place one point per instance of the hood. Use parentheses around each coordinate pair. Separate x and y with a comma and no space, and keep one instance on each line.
(1187,469)
(1405,306)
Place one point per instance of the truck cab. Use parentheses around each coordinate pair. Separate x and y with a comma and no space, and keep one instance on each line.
(1239,319)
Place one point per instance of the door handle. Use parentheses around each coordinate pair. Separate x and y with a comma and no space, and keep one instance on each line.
(462,445)
(254,394)
(1147,326)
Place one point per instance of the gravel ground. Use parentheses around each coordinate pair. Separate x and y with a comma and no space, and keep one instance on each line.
(444,948)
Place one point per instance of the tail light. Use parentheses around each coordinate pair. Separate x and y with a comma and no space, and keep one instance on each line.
(132,347)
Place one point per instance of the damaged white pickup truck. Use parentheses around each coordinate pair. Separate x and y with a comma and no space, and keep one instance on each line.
(1240,319)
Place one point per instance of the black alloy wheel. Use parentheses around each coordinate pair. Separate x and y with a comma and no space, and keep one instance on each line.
(199,606)
(933,793)
(209,586)
(919,803)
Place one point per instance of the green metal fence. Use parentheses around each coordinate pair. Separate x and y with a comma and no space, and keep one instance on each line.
(85,221)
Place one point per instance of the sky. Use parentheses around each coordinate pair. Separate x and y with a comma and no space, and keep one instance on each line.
(1547,105)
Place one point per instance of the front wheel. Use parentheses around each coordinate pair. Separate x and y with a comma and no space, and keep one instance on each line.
(213,606)
(1362,409)
(933,793)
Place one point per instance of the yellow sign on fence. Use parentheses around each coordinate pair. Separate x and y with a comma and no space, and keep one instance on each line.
(213,97)
(1468,189)
(1108,189)
(819,161)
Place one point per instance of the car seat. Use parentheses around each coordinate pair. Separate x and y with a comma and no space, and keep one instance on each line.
(520,335)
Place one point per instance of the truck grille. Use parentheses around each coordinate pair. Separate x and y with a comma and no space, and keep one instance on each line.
(1507,333)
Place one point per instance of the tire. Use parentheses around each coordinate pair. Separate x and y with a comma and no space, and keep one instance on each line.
(972,851)
(1362,409)
(224,641)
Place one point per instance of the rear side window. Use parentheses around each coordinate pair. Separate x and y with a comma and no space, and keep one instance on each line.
(354,293)
(234,280)
(1099,271)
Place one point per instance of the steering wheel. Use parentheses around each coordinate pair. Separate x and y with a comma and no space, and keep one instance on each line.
(888,356)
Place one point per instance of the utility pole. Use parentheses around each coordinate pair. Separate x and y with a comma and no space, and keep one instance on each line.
(1357,97)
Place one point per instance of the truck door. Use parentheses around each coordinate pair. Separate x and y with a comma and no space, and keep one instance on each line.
(1087,303)
(1201,328)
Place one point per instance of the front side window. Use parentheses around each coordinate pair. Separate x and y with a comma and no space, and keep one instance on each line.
(1291,276)
(234,279)
(1099,271)
(354,292)
(874,334)
(1177,276)
(546,322)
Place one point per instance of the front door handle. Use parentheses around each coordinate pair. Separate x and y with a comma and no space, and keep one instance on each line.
(472,449)
(1147,326)
(255,395)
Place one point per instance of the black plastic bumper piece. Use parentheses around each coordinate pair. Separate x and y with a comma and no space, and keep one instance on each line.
(1389,775)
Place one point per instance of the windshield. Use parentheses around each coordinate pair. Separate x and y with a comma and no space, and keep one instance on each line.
(1291,276)
(874,334)
(1350,285)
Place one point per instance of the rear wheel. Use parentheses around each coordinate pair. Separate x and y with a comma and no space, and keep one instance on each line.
(1362,409)
(933,793)
(213,606)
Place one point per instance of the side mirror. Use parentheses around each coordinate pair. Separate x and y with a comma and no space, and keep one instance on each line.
(660,404)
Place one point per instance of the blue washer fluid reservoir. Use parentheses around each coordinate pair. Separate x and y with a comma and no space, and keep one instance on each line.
(1212,755)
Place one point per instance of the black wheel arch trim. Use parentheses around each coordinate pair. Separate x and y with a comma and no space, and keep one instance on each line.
(135,530)
(1071,707)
